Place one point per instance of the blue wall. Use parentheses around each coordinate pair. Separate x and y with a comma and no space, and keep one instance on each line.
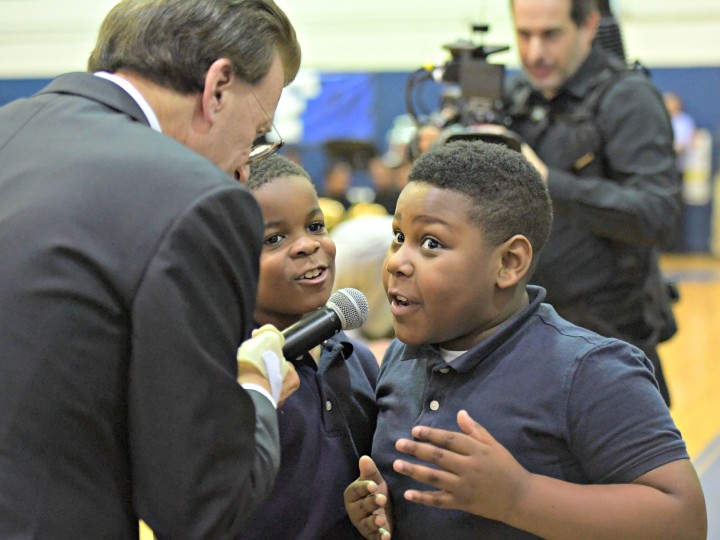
(11,89)
(382,95)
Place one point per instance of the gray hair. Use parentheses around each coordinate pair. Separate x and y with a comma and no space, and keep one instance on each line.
(173,43)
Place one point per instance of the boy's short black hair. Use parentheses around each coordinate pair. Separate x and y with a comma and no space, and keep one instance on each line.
(272,167)
(507,194)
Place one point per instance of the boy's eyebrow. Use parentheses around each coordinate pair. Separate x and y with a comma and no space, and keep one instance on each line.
(271,224)
(268,224)
(429,218)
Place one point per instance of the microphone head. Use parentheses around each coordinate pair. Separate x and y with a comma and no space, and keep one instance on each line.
(351,307)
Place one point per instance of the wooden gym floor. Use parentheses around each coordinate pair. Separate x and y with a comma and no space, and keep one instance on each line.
(692,369)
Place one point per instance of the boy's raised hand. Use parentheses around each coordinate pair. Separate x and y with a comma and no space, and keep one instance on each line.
(367,503)
(473,472)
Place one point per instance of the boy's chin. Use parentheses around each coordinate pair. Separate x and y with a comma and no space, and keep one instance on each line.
(312,303)
(408,337)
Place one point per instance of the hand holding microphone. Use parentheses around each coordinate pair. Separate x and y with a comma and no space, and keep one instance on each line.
(262,357)
(263,353)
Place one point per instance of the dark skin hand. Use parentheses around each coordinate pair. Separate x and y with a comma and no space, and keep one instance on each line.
(475,473)
(367,503)
(478,474)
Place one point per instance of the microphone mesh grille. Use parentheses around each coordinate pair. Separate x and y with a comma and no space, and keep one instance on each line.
(351,306)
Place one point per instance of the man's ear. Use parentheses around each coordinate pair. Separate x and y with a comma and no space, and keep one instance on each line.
(218,79)
(516,259)
(590,27)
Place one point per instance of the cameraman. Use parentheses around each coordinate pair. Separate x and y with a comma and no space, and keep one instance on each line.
(602,140)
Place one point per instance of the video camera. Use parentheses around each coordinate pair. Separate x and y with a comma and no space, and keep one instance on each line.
(471,104)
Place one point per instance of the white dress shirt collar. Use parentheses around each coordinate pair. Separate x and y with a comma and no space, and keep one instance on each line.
(136,95)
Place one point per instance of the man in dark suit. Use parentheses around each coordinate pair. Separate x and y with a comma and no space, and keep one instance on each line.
(129,269)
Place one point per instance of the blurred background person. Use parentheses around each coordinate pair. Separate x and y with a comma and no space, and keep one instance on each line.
(599,134)
(684,133)
(337,182)
(362,243)
(385,189)
(683,125)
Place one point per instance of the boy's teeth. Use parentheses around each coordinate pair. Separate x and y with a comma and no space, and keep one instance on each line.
(312,274)
(401,298)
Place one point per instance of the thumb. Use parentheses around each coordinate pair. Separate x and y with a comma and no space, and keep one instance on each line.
(270,330)
(368,470)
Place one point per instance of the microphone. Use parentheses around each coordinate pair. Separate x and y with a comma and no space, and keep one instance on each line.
(346,309)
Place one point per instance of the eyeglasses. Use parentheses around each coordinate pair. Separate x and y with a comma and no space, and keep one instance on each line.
(261,147)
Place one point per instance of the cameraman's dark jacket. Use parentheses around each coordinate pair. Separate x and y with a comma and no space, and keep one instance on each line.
(607,140)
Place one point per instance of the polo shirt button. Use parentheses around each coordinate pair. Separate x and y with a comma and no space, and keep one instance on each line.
(434,405)
(328,405)
(445,370)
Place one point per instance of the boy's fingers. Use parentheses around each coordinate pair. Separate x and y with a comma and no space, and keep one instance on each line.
(373,526)
(472,428)
(445,478)
(358,490)
(457,442)
(438,499)
(454,441)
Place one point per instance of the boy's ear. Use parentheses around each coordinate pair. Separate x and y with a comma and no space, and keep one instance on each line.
(516,259)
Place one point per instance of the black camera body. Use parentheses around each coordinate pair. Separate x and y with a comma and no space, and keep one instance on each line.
(471,100)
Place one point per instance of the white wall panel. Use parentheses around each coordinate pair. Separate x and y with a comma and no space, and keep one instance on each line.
(667,9)
(390,34)
(41,38)
(696,44)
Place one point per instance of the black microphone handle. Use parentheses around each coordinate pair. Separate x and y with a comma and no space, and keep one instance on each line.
(310,331)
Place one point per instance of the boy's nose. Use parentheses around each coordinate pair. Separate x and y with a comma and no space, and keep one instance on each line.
(397,263)
(306,246)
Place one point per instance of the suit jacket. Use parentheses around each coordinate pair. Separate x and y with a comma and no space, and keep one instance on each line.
(128,268)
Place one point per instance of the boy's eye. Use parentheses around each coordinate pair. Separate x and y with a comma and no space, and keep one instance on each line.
(430,243)
(273,239)
(399,237)
(317,227)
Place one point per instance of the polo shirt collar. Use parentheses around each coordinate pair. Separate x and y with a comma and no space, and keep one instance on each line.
(486,347)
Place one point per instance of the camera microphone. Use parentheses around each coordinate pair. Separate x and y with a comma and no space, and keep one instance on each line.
(347,309)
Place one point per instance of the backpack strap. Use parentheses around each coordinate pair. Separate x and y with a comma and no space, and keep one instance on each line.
(600,84)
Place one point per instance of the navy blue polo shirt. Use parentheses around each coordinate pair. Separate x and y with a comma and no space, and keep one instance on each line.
(566,402)
(325,426)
